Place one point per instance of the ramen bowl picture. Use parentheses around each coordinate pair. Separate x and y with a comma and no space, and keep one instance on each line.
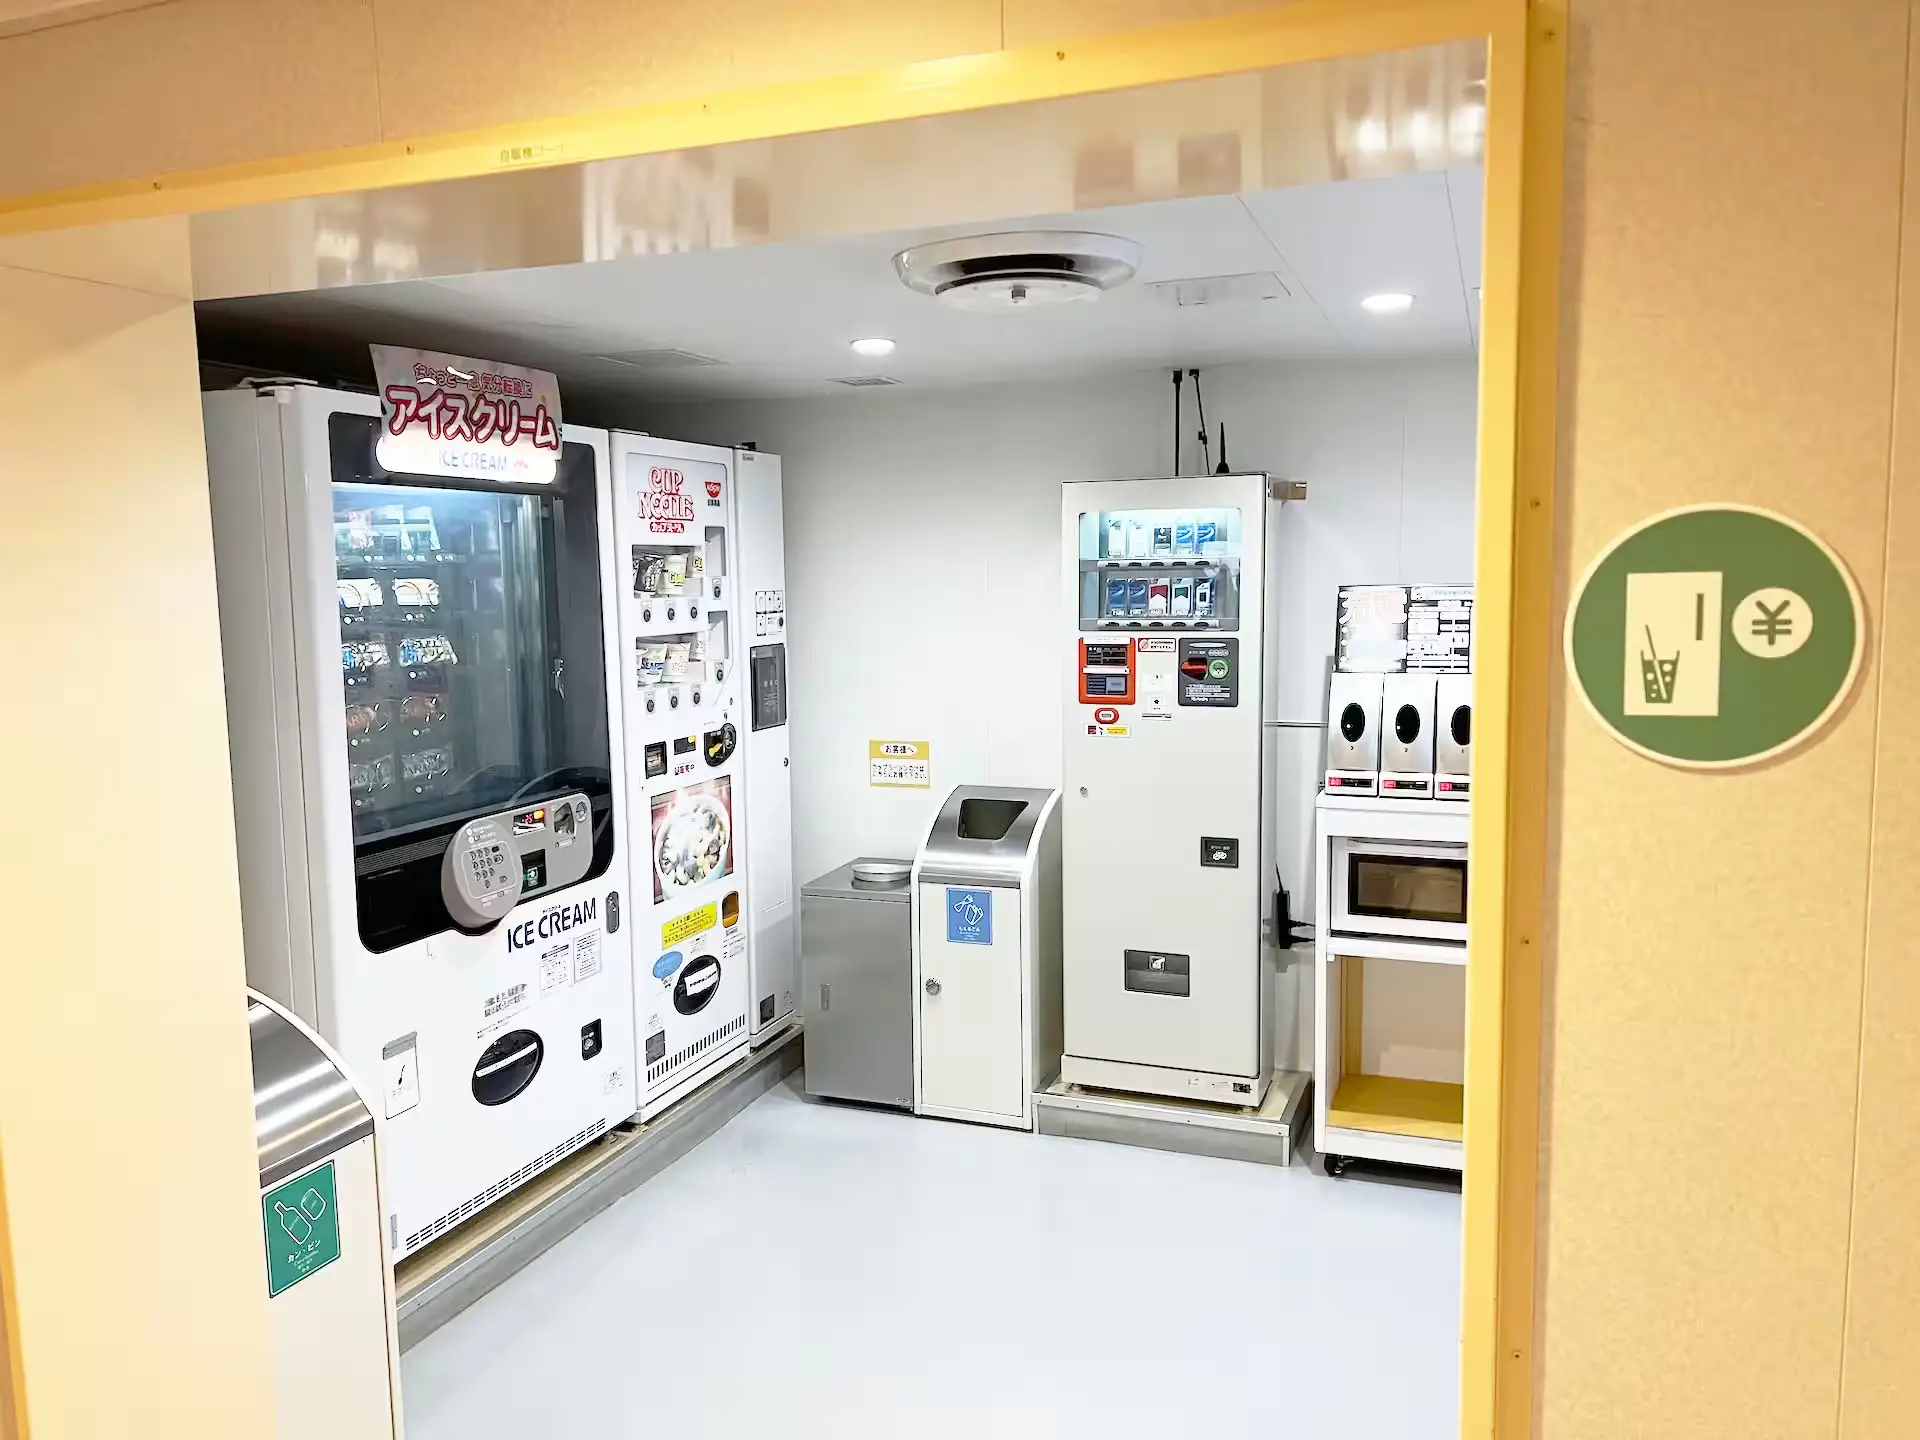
(692,837)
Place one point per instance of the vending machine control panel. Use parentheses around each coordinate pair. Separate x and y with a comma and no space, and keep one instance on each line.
(1106,672)
(497,861)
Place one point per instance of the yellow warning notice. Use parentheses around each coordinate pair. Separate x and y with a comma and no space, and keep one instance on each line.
(906,763)
(685,927)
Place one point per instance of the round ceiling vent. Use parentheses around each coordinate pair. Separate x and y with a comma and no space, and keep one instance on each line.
(1018,271)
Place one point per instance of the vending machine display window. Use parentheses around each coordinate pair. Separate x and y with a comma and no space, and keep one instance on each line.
(471,647)
(1160,569)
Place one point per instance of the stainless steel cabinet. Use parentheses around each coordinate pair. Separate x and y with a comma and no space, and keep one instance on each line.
(856,983)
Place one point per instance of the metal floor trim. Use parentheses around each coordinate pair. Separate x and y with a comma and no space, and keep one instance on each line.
(1269,1135)
(438,1283)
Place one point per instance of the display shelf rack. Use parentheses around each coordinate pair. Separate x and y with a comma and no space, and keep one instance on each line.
(1383,947)
(1388,1105)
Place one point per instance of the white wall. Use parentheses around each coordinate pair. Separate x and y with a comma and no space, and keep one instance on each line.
(923,559)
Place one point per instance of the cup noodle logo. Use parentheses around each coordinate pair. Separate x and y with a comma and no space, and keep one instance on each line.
(666,507)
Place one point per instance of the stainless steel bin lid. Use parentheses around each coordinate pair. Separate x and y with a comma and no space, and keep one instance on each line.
(304,1107)
(983,835)
(844,884)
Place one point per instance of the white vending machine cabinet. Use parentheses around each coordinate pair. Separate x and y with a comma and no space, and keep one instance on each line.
(1406,736)
(1453,738)
(1353,734)
(684,676)
(1166,846)
(774,944)
(430,804)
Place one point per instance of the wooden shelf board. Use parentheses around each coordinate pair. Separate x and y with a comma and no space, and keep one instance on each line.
(1429,1109)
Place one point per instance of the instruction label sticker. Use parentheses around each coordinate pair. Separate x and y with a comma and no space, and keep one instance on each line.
(556,967)
(685,927)
(586,957)
(969,916)
(301,1221)
(906,764)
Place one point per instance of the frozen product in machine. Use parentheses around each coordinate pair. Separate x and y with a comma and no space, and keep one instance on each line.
(651,662)
(1182,596)
(1117,597)
(417,650)
(419,534)
(364,655)
(428,764)
(1137,596)
(1203,598)
(416,590)
(364,720)
(1159,597)
(1183,537)
(649,572)
(353,532)
(371,775)
(423,709)
(1163,540)
(1116,539)
(357,594)
(1139,540)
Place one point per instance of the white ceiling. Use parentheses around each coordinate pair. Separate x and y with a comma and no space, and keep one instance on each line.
(778,317)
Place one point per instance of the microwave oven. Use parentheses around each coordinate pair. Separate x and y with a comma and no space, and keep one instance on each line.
(1402,888)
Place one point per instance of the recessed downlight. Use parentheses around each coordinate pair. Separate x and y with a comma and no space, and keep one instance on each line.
(1391,302)
(874,347)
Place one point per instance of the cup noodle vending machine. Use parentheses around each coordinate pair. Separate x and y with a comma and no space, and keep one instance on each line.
(702,625)
(1167,846)
(430,799)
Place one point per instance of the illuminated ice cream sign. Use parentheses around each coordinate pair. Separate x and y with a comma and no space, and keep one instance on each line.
(470,419)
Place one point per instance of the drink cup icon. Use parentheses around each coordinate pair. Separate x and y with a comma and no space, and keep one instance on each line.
(1658,674)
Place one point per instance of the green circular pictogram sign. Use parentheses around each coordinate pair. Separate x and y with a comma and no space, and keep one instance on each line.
(1715,636)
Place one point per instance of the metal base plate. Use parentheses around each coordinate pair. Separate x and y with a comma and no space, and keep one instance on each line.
(436,1284)
(1266,1135)
(1131,1078)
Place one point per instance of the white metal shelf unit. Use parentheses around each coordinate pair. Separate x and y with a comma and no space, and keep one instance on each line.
(1357,1115)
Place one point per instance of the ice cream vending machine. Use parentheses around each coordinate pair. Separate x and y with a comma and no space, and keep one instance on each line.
(686,624)
(1167,846)
(428,787)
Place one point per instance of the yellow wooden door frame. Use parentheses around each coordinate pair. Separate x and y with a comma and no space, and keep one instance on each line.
(1514,649)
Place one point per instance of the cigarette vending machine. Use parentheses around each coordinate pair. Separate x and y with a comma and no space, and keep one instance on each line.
(430,803)
(1166,848)
(687,627)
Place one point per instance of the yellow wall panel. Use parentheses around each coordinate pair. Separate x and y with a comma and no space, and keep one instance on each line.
(133,1267)
(1039,22)
(1731,246)
(500,61)
(179,86)
(1880,1375)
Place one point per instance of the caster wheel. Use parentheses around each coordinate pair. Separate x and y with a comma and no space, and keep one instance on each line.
(1336,1166)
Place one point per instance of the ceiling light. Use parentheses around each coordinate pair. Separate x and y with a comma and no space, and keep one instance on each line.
(1371,137)
(1393,302)
(874,347)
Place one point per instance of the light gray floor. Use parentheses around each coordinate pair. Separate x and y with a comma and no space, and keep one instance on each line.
(816,1270)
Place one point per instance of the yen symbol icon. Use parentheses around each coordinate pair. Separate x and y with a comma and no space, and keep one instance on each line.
(1771,624)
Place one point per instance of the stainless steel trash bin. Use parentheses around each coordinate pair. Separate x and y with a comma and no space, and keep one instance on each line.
(986,898)
(329,1283)
(856,983)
